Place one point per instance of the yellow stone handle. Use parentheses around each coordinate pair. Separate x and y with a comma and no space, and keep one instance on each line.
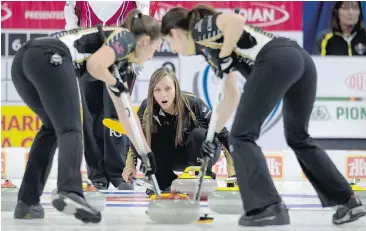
(192,168)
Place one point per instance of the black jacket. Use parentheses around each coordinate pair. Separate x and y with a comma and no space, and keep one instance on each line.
(199,109)
(333,43)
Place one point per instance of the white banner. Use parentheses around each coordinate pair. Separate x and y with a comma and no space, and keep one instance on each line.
(341,76)
(335,119)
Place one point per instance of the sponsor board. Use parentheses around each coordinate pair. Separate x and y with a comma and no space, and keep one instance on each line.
(345,82)
(220,168)
(357,81)
(351,164)
(3,163)
(270,15)
(275,164)
(338,117)
(19,126)
(356,167)
(32,14)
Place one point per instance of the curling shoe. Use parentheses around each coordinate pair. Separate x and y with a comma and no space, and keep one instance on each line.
(349,212)
(73,204)
(25,211)
(100,185)
(275,214)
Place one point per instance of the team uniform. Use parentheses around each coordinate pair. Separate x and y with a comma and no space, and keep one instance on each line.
(274,68)
(105,153)
(170,158)
(43,73)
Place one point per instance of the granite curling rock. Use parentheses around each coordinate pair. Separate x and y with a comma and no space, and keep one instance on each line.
(173,208)
(226,200)
(186,183)
(9,194)
(92,195)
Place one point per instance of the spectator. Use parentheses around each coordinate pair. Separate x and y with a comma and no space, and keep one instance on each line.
(347,35)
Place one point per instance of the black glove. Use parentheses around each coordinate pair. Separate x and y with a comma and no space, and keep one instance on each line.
(118,88)
(225,66)
(209,148)
(144,168)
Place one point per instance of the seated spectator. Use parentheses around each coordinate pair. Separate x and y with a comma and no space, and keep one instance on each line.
(347,35)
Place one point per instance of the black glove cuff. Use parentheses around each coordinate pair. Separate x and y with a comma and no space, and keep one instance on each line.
(118,88)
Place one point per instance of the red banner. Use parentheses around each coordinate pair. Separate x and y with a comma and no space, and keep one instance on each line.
(270,15)
(32,15)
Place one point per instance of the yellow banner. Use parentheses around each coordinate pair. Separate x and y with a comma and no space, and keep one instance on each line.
(19,125)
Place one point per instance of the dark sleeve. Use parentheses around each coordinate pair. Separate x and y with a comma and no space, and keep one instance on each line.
(319,41)
(122,42)
(203,115)
(127,74)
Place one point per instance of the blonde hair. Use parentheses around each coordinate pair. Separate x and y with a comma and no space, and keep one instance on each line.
(180,102)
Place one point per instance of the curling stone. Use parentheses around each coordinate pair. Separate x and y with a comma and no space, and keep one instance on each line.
(360,192)
(173,208)
(226,200)
(9,195)
(186,183)
(92,195)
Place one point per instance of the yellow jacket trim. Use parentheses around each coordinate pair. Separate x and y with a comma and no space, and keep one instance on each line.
(324,43)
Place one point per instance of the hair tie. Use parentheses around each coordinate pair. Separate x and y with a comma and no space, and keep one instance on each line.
(138,15)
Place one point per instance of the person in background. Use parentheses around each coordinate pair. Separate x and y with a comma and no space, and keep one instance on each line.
(347,35)
(105,152)
(175,125)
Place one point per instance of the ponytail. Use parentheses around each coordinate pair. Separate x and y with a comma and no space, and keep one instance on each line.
(199,12)
(184,19)
(140,24)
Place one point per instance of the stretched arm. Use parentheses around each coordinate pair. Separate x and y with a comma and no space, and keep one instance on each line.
(229,24)
(229,103)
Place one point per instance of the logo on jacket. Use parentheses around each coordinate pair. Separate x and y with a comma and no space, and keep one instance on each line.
(360,48)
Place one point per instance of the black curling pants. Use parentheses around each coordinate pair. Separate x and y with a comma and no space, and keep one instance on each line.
(105,151)
(282,70)
(169,159)
(52,93)
(92,101)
